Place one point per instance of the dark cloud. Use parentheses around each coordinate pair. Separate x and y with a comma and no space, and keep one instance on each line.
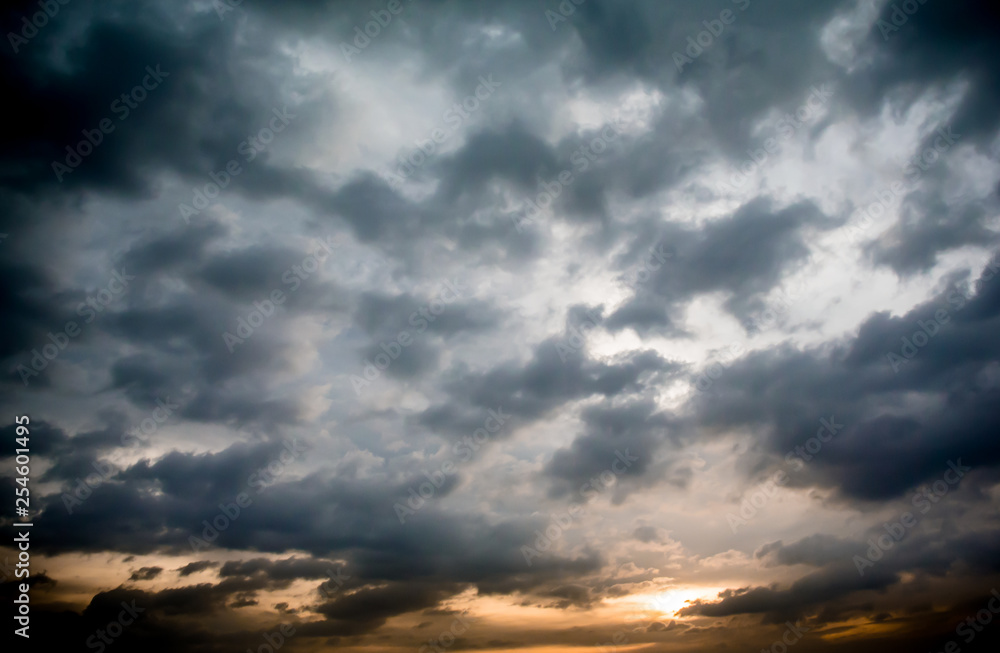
(615,453)
(938,45)
(559,372)
(880,450)
(506,319)
(195,567)
(744,255)
(146,573)
(816,550)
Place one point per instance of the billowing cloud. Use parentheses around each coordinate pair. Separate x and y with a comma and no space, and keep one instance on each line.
(365,324)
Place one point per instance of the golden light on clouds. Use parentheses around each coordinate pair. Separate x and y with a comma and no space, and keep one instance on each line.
(666,602)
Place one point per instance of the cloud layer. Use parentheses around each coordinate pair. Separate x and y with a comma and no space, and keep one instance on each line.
(497,325)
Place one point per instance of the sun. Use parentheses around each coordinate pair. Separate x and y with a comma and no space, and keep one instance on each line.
(671,602)
(666,603)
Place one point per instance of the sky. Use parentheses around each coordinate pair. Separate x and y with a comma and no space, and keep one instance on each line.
(432,326)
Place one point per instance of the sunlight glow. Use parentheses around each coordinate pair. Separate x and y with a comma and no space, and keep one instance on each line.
(668,601)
